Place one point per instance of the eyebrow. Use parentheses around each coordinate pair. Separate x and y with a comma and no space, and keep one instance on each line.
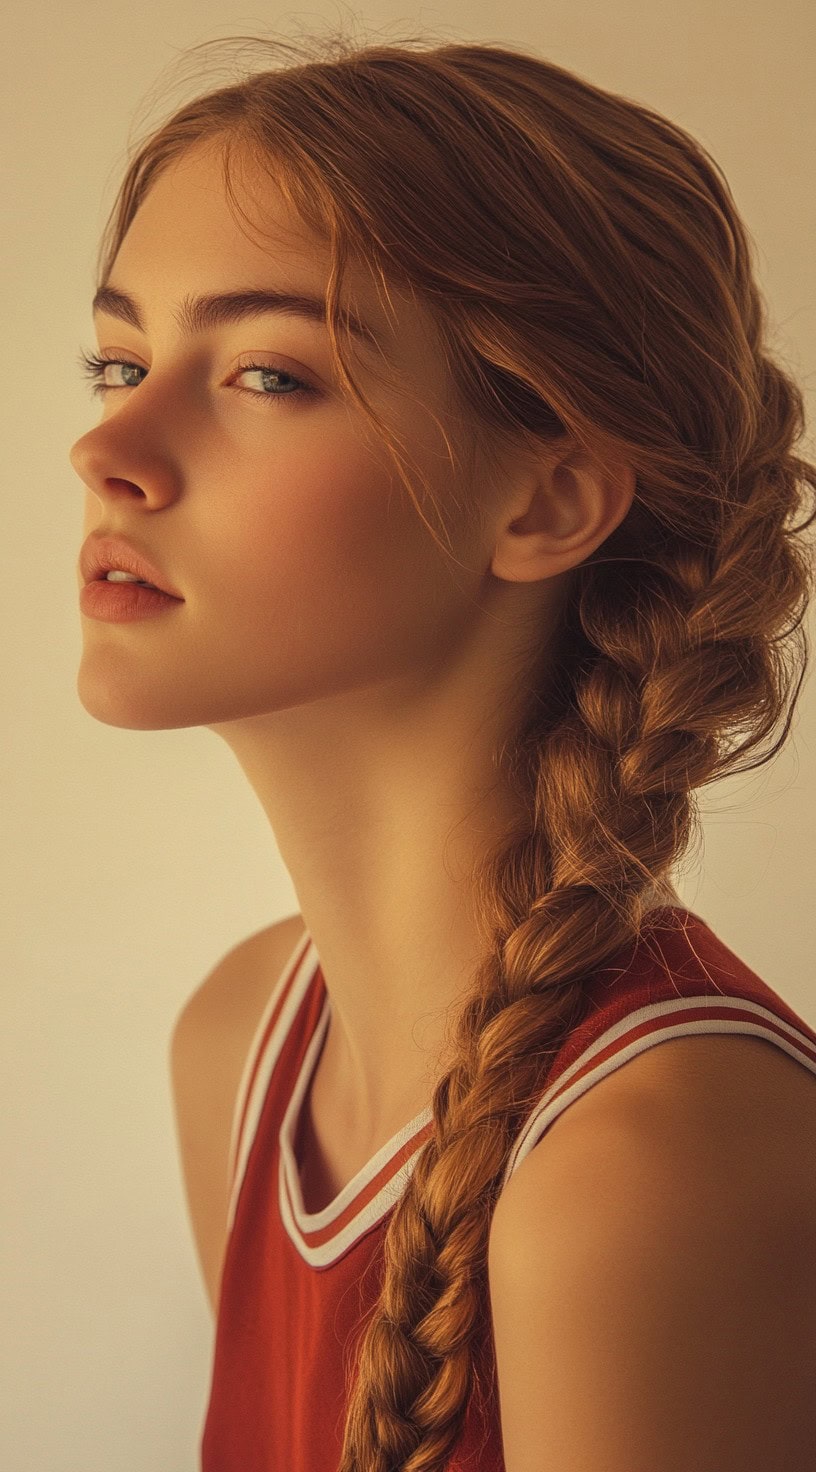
(198,314)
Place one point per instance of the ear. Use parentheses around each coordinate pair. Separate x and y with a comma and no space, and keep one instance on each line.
(564,510)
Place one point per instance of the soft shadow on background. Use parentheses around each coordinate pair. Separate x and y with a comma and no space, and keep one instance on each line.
(133,860)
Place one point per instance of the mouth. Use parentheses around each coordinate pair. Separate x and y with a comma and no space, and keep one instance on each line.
(114,560)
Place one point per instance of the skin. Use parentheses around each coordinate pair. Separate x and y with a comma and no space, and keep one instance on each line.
(362,680)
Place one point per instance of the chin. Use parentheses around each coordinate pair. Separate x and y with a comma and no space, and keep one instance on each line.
(119,702)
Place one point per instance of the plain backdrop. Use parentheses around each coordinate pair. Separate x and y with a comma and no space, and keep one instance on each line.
(133,860)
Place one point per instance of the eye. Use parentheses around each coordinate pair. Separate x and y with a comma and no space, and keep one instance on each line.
(94,367)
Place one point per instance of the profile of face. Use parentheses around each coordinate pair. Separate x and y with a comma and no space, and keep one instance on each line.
(263,496)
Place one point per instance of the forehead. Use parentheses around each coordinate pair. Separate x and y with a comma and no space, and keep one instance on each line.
(190,237)
(187,212)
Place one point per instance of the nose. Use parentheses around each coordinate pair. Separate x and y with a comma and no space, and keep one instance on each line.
(74,456)
(80,456)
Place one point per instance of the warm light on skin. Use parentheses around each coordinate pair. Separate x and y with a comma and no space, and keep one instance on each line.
(362,683)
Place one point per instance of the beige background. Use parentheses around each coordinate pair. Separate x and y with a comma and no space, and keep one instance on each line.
(133,860)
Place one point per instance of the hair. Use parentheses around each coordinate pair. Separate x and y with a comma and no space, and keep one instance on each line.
(589,276)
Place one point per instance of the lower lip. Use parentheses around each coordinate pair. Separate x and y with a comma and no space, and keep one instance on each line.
(121,603)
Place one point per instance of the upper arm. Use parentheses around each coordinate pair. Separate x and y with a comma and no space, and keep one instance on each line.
(208,1050)
(654,1303)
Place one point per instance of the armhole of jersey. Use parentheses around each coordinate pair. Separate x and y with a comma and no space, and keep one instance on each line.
(645,1028)
(255,1048)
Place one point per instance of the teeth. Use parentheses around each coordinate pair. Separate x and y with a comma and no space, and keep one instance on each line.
(114,576)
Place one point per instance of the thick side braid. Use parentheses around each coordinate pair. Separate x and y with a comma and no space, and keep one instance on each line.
(614,807)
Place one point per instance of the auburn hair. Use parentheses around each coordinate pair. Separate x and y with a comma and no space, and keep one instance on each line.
(589,276)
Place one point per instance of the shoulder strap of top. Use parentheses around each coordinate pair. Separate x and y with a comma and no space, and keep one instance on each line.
(247,1101)
(698,985)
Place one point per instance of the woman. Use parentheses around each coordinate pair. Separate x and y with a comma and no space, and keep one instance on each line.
(475,716)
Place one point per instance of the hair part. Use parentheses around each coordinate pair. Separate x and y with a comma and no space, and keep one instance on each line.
(589,277)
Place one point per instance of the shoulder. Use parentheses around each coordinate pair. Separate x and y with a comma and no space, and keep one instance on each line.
(651,1269)
(208,1049)
(235,991)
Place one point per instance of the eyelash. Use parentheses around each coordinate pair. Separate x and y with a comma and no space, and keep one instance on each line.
(94,368)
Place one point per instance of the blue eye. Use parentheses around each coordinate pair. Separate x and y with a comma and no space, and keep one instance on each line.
(94,368)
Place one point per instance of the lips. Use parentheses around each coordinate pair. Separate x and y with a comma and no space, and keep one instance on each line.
(101,555)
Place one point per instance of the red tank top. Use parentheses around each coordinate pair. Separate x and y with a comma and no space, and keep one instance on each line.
(295,1287)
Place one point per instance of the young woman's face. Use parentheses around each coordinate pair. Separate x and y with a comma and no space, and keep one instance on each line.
(304,567)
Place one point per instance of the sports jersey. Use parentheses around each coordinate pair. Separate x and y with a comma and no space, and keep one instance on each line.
(296,1287)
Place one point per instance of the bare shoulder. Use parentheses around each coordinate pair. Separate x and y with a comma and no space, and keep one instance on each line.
(208,1049)
(233,994)
(659,1244)
(733,1107)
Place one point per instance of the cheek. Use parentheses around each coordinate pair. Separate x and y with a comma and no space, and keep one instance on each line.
(331,557)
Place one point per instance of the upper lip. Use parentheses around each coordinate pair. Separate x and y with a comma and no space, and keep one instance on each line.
(100,555)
